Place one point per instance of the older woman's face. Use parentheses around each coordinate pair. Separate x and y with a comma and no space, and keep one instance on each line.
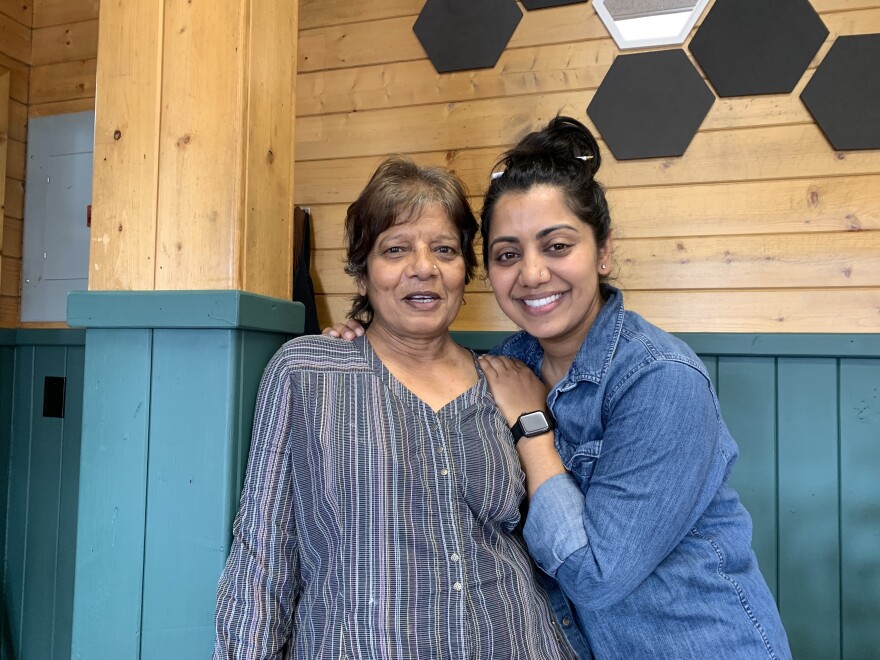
(415,276)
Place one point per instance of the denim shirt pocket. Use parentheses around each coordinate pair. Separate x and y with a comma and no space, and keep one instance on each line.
(578,457)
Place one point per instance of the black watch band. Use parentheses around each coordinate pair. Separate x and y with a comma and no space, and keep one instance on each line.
(531,424)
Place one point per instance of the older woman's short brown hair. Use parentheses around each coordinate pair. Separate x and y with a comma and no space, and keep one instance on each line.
(400,190)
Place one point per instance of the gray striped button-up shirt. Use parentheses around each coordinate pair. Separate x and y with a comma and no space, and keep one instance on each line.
(373,527)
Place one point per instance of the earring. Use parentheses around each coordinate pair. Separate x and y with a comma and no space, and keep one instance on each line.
(604,266)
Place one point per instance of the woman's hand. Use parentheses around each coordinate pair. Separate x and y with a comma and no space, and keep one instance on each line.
(516,389)
(348,330)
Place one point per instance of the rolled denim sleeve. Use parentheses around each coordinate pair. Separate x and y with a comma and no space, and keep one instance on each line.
(660,464)
(554,527)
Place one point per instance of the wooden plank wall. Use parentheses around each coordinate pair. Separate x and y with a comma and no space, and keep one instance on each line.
(50,48)
(16,17)
(760,227)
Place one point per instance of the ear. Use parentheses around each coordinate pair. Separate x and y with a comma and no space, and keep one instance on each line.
(361,285)
(604,256)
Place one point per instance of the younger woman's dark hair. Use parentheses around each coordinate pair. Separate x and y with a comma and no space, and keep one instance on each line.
(397,192)
(565,155)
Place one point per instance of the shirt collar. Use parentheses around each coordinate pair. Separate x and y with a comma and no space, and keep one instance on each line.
(594,356)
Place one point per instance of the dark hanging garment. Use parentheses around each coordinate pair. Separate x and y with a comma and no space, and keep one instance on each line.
(303,289)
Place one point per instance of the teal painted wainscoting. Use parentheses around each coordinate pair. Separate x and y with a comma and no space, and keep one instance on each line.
(170,385)
(805,412)
(40,460)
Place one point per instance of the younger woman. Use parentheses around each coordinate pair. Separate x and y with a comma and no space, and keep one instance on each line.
(630,510)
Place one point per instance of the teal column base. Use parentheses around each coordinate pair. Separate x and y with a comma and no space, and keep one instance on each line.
(169,389)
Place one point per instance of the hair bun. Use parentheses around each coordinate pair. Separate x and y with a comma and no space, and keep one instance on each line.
(566,135)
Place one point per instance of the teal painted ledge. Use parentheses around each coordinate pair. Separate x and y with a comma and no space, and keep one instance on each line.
(40,337)
(730,344)
(227,310)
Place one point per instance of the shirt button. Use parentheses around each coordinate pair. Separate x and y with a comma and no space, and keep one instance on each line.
(444,472)
(566,622)
(457,586)
(454,556)
(441,449)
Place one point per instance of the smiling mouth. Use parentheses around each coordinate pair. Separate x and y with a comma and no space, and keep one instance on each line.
(422,297)
(541,302)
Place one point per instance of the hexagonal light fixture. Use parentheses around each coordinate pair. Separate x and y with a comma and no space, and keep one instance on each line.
(750,47)
(650,105)
(844,93)
(466,34)
(544,4)
(644,23)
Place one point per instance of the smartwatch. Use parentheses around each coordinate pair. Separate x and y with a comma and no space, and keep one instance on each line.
(531,424)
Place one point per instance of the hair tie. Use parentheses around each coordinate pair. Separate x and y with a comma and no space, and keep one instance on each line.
(498,175)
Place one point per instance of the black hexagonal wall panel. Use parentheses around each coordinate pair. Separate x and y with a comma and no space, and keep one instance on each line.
(844,93)
(749,47)
(466,34)
(543,4)
(650,105)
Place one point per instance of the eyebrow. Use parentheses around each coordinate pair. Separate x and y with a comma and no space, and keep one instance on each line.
(541,234)
(402,235)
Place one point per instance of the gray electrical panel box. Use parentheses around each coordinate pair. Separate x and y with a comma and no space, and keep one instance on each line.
(57,203)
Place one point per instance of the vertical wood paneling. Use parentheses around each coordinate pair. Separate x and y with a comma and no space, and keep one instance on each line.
(43,504)
(747,389)
(266,227)
(69,502)
(4,134)
(126,148)
(19,487)
(809,524)
(112,500)
(860,506)
(189,481)
(7,377)
(196,238)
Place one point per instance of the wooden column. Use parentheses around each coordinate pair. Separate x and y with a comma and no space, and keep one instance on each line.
(193,175)
(4,133)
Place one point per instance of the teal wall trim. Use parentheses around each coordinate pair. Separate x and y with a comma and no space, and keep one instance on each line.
(171,381)
(40,467)
(183,309)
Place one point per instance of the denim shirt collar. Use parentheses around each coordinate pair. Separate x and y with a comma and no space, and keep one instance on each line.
(594,356)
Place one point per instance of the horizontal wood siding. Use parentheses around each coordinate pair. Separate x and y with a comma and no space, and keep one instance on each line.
(16,17)
(760,226)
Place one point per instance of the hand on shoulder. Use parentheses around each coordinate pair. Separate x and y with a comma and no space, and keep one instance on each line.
(516,389)
(348,330)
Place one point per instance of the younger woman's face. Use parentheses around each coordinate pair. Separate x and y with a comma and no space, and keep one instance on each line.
(545,266)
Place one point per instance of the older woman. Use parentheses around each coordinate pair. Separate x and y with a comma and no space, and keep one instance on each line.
(382,492)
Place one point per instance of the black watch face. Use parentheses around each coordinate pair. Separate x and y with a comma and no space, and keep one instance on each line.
(534,423)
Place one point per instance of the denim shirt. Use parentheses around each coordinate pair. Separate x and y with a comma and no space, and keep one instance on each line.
(643,534)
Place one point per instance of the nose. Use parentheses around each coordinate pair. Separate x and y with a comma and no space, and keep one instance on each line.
(533,271)
(424,264)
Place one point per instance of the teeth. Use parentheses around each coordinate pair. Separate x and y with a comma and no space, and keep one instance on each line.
(540,302)
(422,298)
